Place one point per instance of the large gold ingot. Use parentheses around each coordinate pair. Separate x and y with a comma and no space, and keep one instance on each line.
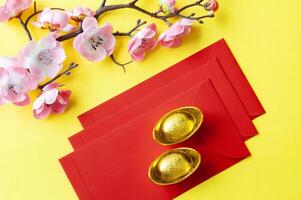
(178,125)
(174,166)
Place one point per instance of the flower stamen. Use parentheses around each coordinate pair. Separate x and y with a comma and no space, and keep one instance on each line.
(45,57)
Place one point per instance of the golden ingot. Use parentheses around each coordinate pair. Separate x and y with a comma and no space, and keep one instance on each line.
(178,125)
(174,166)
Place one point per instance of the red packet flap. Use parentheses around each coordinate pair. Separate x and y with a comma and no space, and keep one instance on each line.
(211,71)
(218,49)
(115,166)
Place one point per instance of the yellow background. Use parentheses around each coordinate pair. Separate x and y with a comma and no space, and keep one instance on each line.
(264,36)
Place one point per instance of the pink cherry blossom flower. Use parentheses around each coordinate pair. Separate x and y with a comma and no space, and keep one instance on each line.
(80,13)
(211,5)
(15,82)
(172,37)
(95,43)
(13,8)
(143,41)
(51,100)
(168,6)
(43,58)
(54,20)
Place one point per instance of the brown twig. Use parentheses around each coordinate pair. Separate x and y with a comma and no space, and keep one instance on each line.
(25,27)
(120,64)
(129,33)
(65,72)
(199,19)
(35,6)
(103,3)
(103,8)
(197,3)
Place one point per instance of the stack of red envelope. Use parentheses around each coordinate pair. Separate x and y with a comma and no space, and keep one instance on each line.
(113,152)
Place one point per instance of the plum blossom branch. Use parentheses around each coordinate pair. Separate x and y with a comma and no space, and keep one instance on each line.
(132,5)
(197,3)
(24,25)
(44,58)
(120,64)
(65,72)
(129,33)
(103,3)
(199,19)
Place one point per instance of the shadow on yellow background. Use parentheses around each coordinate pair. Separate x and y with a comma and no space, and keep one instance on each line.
(263,35)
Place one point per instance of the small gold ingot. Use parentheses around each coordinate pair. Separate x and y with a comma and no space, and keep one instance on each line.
(174,166)
(178,125)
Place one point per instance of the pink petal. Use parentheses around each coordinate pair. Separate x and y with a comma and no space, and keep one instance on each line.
(175,30)
(149,32)
(30,85)
(62,102)
(89,22)
(65,94)
(18,6)
(162,36)
(12,97)
(138,56)
(110,52)
(59,55)
(46,16)
(20,74)
(27,51)
(59,108)
(152,45)
(6,62)
(43,114)
(69,28)
(4,14)
(77,41)
(40,109)
(3,74)
(38,103)
(171,3)
(50,96)
(109,42)
(90,31)
(37,24)
(77,11)
(168,43)
(83,11)
(186,32)
(55,34)
(59,18)
(106,29)
(25,102)
(91,55)
(17,73)
(186,22)
(2,100)
(134,44)
(51,86)
(36,73)
(48,42)
(175,43)
(52,70)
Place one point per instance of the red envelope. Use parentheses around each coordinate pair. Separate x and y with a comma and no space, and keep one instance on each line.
(230,67)
(212,71)
(115,166)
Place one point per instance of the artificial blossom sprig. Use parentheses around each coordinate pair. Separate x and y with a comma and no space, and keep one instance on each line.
(43,59)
